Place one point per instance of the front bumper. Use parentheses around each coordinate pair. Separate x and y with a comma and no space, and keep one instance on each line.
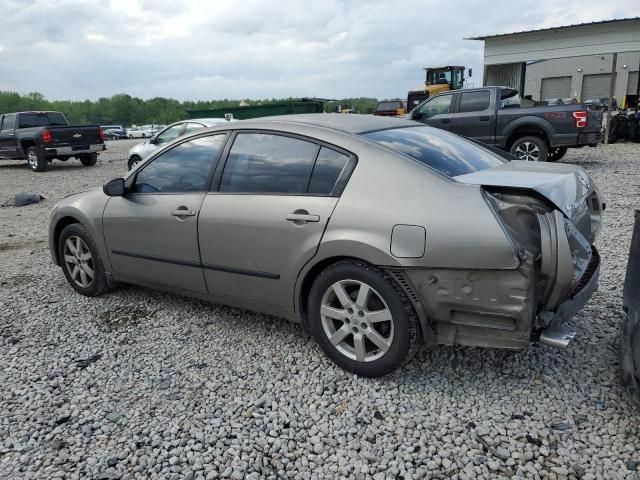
(73,151)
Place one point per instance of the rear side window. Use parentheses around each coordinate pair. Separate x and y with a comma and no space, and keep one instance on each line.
(184,168)
(474,101)
(326,171)
(9,122)
(267,163)
(445,152)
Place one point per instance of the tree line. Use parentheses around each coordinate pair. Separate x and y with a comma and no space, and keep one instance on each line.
(123,109)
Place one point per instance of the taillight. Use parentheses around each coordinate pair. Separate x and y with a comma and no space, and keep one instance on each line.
(580,118)
(101,134)
(46,136)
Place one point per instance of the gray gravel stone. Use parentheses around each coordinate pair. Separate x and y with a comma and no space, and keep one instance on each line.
(250,396)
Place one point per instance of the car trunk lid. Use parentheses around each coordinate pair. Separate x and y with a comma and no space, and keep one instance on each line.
(567,187)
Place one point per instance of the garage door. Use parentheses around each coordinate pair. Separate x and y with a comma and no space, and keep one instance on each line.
(555,87)
(595,86)
(632,84)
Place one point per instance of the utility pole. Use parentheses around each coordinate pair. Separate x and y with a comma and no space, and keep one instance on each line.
(611,88)
(638,89)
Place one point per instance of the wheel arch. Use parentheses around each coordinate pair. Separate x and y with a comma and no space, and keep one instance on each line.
(527,129)
(57,230)
(27,143)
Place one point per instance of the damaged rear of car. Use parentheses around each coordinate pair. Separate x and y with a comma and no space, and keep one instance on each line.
(551,216)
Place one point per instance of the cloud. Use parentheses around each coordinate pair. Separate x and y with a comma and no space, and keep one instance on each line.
(76,49)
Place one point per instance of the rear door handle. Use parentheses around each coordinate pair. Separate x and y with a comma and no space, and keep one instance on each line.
(183,212)
(484,119)
(445,120)
(302,217)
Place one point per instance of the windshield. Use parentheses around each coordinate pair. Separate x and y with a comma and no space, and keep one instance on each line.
(438,77)
(445,152)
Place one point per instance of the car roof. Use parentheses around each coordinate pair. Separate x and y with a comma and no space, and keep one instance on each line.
(350,123)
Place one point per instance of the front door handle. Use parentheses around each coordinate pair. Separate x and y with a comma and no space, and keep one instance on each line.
(302,216)
(445,120)
(183,212)
(484,119)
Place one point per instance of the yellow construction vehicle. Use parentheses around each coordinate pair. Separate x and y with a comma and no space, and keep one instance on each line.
(439,79)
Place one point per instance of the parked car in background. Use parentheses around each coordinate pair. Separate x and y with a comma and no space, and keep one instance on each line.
(173,131)
(137,132)
(601,103)
(114,132)
(41,137)
(285,216)
(390,108)
(630,338)
(494,115)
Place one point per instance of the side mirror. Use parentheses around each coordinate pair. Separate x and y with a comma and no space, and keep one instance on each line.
(415,114)
(114,188)
(153,140)
(470,72)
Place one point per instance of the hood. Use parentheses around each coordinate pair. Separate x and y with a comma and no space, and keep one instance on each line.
(566,186)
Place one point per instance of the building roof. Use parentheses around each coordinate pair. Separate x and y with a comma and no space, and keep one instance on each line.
(601,22)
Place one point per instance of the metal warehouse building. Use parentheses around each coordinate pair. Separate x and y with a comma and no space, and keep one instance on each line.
(567,61)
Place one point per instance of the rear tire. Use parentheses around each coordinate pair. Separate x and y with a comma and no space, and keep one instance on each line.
(361,319)
(89,160)
(556,154)
(37,159)
(531,149)
(81,262)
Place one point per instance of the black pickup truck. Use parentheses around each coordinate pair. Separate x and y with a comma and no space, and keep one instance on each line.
(494,116)
(39,137)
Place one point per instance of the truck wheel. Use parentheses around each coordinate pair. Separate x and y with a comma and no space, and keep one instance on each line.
(37,159)
(531,149)
(361,319)
(556,154)
(89,160)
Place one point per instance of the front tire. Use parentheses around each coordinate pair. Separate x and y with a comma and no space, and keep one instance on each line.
(556,154)
(37,159)
(133,162)
(81,262)
(531,149)
(89,160)
(361,319)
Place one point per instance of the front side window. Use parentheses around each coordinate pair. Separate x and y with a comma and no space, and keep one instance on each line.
(474,101)
(436,106)
(170,133)
(445,152)
(184,168)
(268,163)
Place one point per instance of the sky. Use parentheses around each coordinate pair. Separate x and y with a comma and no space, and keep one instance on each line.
(205,50)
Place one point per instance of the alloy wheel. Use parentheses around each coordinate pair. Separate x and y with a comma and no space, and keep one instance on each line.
(356,320)
(528,151)
(32,159)
(78,261)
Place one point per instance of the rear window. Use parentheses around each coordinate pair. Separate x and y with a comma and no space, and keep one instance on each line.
(386,106)
(445,152)
(41,119)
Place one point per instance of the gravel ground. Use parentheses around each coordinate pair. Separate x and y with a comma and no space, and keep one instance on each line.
(141,384)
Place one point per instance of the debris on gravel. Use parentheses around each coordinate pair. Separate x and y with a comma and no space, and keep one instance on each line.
(144,384)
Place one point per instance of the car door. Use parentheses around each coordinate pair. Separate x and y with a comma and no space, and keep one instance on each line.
(151,232)
(474,117)
(436,111)
(266,219)
(8,141)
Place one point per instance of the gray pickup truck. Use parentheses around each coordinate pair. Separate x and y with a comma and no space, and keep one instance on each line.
(39,137)
(495,116)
